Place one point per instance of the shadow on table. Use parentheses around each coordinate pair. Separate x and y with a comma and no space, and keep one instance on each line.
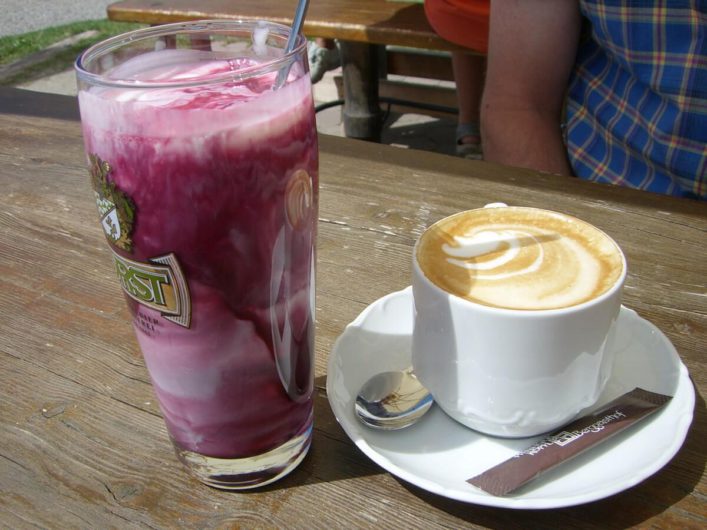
(39,104)
(436,135)
(630,508)
(332,456)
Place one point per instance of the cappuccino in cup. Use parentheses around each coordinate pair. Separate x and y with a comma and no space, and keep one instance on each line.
(519,258)
(514,316)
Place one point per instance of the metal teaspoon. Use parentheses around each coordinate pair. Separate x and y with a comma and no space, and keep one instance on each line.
(297,21)
(392,400)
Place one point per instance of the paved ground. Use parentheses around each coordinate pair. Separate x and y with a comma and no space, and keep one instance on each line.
(407,130)
(412,131)
(21,16)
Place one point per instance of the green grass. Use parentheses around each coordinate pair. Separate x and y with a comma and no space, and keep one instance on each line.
(15,47)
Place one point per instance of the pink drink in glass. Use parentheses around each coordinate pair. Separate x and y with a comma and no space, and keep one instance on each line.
(207,190)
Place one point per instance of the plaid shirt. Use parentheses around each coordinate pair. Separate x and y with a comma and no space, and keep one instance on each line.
(637,102)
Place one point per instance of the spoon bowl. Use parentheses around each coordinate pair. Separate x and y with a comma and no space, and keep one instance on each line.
(392,400)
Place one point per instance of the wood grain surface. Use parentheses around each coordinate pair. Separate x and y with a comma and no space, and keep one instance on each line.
(82,442)
(369,21)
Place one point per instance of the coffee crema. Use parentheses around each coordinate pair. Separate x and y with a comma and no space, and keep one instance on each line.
(519,258)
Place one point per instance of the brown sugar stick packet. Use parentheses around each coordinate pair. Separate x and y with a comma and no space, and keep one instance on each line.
(571,441)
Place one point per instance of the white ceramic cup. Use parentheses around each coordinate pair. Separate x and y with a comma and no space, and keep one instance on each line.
(511,372)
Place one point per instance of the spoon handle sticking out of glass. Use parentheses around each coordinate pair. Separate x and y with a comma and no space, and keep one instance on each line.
(297,22)
(392,400)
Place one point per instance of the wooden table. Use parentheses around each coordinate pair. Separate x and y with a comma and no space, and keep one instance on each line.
(363,28)
(82,442)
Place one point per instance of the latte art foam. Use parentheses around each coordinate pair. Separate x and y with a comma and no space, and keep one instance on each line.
(519,258)
(485,243)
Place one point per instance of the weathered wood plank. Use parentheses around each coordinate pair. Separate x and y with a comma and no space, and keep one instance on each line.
(82,442)
(370,21)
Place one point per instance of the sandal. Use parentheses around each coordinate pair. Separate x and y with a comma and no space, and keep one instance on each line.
(470,150)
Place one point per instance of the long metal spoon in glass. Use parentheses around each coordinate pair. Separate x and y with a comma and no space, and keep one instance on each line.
(392,400)
(297,21)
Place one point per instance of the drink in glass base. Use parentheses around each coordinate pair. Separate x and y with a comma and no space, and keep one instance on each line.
(205,172)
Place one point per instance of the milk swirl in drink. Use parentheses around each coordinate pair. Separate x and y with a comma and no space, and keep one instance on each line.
(519,258)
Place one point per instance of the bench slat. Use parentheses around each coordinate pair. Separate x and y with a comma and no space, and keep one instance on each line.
(369,21)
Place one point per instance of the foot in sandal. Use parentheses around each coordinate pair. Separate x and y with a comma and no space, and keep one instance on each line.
(468,140)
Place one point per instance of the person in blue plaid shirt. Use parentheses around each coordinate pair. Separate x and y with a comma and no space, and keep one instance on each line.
(629,77)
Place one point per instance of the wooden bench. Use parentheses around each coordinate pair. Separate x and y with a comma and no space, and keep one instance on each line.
(363,28)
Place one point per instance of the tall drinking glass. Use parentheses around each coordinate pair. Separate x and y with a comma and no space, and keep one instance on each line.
(205,172)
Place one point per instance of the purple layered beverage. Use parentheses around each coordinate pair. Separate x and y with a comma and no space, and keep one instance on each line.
(208,195)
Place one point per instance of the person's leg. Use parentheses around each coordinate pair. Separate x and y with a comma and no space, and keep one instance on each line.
(469,72)
(465,22)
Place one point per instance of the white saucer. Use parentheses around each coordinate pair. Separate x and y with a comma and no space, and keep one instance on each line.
(439,455)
